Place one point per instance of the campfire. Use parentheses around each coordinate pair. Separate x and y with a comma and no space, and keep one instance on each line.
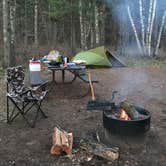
(124,115)
(126,111)
(126,119)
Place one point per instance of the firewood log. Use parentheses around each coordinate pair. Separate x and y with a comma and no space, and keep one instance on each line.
(101,150)
(62,141)
(130,110)
(56,140)
(67,141)
(70,138)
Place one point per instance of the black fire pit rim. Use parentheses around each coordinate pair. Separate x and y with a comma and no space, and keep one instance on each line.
(127,127)
(148,115)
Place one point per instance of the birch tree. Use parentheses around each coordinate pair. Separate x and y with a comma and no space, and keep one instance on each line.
(6,34)
(12,30)
(81,24)
(151,27)
(142,23)
(97,24)
(36,23)
(134,29)
(160,32)
(25,23)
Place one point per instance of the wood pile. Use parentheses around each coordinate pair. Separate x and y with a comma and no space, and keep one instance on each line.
(62,142)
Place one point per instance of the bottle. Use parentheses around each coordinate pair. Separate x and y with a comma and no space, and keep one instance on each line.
(65,61)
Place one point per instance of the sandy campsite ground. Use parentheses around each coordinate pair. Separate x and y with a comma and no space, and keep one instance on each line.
(145,87)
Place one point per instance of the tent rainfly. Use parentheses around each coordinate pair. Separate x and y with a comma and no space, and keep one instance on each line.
(99,56)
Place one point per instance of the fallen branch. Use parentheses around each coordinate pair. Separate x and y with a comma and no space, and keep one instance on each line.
(100,150)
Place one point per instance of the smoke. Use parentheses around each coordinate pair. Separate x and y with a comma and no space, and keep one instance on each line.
(135,28)
(131,82)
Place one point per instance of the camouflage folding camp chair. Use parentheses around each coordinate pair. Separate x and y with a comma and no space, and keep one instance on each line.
(22,100)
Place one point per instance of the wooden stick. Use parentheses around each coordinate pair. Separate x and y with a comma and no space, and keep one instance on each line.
(91,87)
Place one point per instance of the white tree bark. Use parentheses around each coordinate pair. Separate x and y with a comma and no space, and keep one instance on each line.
(149,23)
(92,37)
(81,25)
(142,23)
(12,20)
(134,29)
(12,30)
(151,27)
(97,24)
(25,24)
(6,34)
(36,23)
(102,29)
(160,32)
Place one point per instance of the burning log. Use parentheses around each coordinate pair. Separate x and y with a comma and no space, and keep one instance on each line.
(62,141)
(124,115)
(130,110)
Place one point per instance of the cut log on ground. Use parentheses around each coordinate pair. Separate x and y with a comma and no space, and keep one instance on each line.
(67,142)
(62,141)
(111,154)
(56,140)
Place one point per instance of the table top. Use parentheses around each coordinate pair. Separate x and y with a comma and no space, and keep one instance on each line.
(76,67)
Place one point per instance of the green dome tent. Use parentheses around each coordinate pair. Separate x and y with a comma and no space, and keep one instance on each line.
(98,57)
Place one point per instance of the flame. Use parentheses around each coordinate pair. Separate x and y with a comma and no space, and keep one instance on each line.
(124,115)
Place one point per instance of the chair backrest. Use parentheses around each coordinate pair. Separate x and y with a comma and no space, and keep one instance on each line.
(15,79)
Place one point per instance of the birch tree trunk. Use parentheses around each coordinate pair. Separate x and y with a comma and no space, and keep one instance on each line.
(134,29)
(102,31)
(25,24)
(142,24)
(81,25)
(92,36)
(149,24)
(6,34)
(97,24)
(36,23)
(160,32)
(12,30)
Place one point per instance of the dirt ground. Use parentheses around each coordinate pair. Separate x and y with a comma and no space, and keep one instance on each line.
(21,145)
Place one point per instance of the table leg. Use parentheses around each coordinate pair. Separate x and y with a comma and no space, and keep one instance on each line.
(63,76)
(53,75)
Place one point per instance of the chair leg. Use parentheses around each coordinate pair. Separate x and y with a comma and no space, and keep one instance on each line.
(11,116)
(34,122)
(7,109)
(41,111)
(23,111)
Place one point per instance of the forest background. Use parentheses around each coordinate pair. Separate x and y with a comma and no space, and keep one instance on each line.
(34,27)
